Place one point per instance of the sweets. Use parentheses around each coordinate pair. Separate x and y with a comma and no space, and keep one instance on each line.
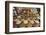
(27,17)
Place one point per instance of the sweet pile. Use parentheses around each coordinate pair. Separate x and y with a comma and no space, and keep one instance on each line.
(26,17)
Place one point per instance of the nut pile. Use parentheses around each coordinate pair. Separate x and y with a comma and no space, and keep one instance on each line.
(26,17)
